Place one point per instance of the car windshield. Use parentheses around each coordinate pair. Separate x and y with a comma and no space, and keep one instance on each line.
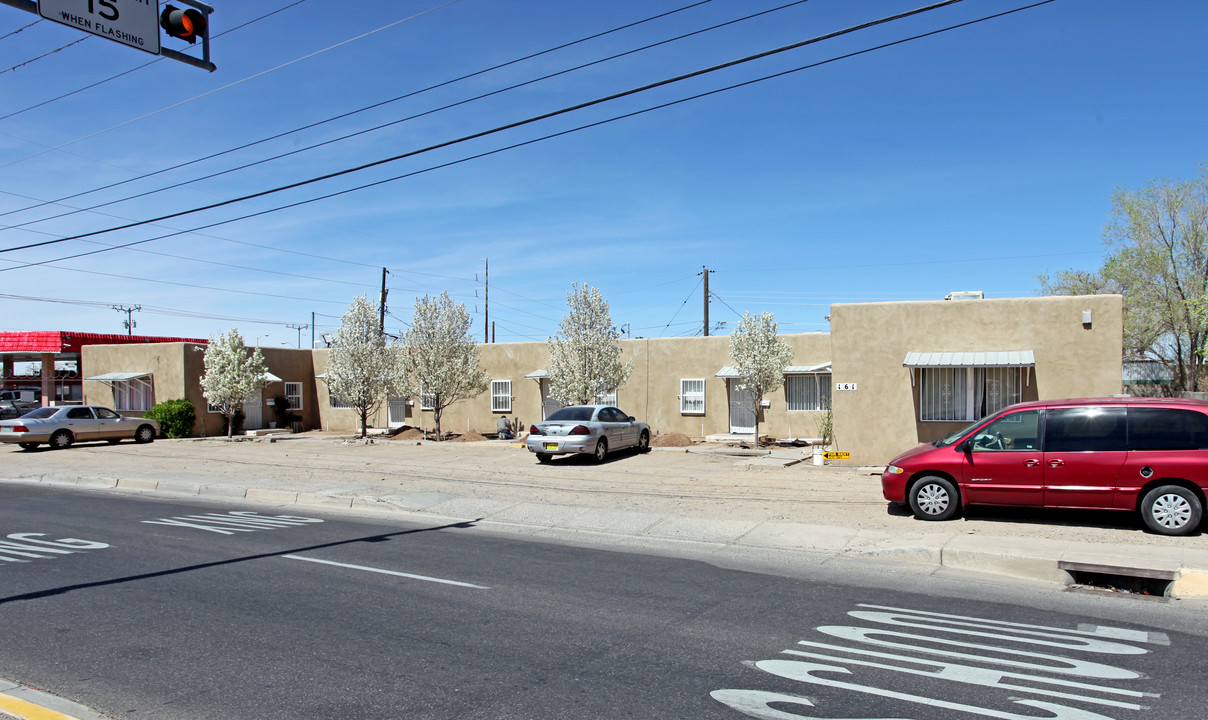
(40,413)
(572,414)
(946,441)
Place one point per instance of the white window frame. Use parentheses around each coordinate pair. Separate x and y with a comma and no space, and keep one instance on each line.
(133,395)
(970,393)
(337,404)
(606,398)
(501,396)
(802,400)
(427,401)
(692,396)
(294,398)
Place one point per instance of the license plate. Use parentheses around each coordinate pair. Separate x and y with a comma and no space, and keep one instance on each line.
(6,428)
(551,446)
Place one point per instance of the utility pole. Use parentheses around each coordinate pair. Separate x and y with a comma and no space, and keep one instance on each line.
(312,329)
(705,271)
(299,328)
(382,309)
(129,322)
(486,300)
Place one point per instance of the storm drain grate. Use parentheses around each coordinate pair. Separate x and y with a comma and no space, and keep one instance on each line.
(1117,579)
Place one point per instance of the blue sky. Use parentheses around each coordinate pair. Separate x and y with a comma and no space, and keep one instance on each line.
(969,160)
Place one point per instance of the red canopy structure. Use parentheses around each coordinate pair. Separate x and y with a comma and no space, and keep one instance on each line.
(51,347)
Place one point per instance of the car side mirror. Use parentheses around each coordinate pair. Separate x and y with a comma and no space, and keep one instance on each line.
(632,419)
(967,446)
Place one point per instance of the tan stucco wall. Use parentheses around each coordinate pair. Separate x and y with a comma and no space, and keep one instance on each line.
(870,340)
(652,391)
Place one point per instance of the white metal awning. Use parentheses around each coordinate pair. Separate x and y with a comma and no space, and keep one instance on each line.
(139,378)
(994,358)
(537,374)
(730,372)
(808,369)
(270,378)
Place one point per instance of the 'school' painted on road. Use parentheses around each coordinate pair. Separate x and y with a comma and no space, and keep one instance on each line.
(1015,658)
(27,547)
(233,522)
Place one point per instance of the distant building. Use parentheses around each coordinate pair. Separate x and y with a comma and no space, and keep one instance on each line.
(58,353)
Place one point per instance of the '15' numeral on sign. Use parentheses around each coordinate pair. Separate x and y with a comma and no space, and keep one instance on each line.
(109,12)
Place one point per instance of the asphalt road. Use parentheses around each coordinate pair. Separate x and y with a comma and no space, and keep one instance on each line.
(183,610)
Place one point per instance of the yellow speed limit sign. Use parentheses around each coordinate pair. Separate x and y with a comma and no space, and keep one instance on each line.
(837,455)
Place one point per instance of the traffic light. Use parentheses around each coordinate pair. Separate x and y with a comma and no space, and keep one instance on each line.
(188,24)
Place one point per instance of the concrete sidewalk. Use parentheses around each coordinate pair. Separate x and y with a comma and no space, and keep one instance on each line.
(698,501)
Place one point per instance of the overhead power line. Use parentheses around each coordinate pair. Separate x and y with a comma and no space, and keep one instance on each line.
(365,108)
(20,29)
(228,85)
(553,114)
(501,149)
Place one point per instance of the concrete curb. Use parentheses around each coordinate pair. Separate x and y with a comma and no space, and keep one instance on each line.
(26,703)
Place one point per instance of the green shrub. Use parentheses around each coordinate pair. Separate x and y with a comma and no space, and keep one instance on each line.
(175,417)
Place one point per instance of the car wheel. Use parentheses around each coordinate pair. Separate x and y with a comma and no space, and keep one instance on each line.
(544,457)
(144,434)
(644,442)
(28,446)
(934,498)
(61,439)
(601,450)
(1171,510)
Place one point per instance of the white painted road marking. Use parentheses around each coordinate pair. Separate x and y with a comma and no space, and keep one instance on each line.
(388,572)
(29,545)
(1010,661)
(234,521)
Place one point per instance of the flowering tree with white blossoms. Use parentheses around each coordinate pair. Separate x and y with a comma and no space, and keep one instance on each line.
(232,375)
(362,370)
(585,357)
(759,356)
(440,357)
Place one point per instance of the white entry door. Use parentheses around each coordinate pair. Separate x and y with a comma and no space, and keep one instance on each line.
(253,417)
(742,410)
(396,412)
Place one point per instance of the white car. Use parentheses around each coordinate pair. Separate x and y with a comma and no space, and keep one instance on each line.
(61,426)
(587,429)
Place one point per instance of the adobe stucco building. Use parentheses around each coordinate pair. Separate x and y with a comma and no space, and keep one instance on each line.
(896,374)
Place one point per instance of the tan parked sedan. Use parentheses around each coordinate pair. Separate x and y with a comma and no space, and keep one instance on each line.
(61,426)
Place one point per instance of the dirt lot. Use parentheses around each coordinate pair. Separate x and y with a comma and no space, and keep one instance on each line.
(669,481)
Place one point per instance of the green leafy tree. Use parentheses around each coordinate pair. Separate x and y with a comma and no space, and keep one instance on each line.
(362,370)
(232,374)
(585,357)
(759,356)
(440,357)
(1157,244)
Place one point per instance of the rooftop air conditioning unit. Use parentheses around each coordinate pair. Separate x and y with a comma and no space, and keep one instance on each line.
(966,295)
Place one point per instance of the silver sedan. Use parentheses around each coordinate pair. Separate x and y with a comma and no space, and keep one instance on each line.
(61,426)
(587,429)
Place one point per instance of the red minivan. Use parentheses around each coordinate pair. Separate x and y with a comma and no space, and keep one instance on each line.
(1148,455)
